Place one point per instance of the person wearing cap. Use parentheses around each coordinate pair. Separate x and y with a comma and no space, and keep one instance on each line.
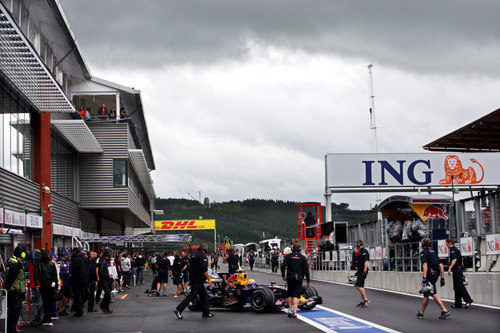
(15,285)
(431,270)
(46,282)
(362,259)
(293,270)
(198,274)
(65,282)
(456,267)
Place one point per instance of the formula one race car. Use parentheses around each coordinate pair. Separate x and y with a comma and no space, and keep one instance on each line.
(236,291)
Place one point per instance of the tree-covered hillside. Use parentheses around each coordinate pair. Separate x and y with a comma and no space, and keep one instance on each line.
(249,220)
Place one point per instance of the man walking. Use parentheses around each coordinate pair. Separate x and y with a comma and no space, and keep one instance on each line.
(198,274)
(92,281)
(456,267)
(162,278)
(431,270)
(295,267)
(362,264)
(232,261)
(251,259)
(274,261)
(15,285)
(79,270)
(106,280)
(63,265)
(185,271)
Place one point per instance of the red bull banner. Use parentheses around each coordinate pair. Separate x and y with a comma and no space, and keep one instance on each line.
(426,211)
(412,170)
(185,225)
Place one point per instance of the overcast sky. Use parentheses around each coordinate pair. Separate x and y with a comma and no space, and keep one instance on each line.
(244,98)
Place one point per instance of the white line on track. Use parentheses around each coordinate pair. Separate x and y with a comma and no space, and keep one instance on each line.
(329,330)
(406,294)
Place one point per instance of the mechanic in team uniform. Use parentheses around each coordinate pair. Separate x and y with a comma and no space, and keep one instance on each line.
(162,278)
(251,259)
(177,273)
(295,267)
(198,274)
(431,269)
(274,261)
(362,264)
(232,261)
(65,282)
(456,267)
(105,280)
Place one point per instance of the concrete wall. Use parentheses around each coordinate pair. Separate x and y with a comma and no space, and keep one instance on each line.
(484,288)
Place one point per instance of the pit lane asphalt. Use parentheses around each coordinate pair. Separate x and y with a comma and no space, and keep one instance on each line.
(138,313)
(397,311)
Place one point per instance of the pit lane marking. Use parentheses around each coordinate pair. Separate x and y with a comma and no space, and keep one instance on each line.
(341,322)
(124,296)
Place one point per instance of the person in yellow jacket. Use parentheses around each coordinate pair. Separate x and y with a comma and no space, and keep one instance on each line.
(16,288)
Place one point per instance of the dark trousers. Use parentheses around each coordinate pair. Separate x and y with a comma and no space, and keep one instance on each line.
(91,296)
(251,262)
(14,301)
(197,288)
(274,266)
(79,297)
(48,303)
(460,290)
(99,292)
(126,278)
(106,287)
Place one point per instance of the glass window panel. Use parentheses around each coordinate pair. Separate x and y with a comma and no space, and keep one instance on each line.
(497,212)
(485,215)
(120,173)
(470,217)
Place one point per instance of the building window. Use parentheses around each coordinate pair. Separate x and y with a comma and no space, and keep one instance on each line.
(120,174)
(62,166)
(15,133)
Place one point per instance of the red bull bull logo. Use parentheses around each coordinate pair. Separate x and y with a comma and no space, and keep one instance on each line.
(433,211)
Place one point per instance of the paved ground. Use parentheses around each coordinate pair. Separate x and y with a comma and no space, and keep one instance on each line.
(138,313)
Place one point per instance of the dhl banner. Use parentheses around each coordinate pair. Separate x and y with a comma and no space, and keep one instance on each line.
(185,225)
(426,211)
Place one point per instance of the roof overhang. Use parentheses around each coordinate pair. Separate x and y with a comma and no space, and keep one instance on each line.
(78,135)
(141,169)
(480,135)
(23,68)
(433,199)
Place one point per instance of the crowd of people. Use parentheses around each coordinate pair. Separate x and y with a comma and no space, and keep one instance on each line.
(60,285)
(102,113)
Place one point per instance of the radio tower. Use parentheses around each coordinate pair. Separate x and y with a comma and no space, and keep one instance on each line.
(373,127)
(373,121)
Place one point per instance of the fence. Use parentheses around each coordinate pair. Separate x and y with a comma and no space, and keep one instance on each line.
(403,257)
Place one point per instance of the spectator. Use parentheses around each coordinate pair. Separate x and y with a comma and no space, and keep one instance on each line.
(133,266)
(93,278)
(102,112)
(140,262)
(87,115)
(185,271)
(82,112)
(162,278)
(126,266)
(35,318)
(15,285)
(57,296)
(65,282)
(80,272)
(106,280)
(112,113)
(46,284)
(177,273)
(123,113)
(118,264)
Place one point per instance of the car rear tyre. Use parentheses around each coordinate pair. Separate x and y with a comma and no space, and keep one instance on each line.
(195,304)
(262,299)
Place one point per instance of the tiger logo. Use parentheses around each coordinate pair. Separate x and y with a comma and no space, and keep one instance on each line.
(456,172)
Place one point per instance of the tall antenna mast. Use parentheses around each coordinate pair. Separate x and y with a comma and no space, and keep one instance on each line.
(373,121)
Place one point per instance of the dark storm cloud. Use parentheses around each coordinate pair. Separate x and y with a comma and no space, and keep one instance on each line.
(422,36)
